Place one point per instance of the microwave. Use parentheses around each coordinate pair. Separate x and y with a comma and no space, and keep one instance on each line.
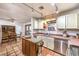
(52,28)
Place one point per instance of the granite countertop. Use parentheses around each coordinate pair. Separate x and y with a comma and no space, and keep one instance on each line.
(34,40)
(72,40)
(53,36)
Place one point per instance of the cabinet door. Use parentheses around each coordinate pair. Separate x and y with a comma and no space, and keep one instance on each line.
(61,22)
(45,41)
(32,49)
(71,21)
(40,24)
(48,42)
(35,24)
(23,46)
(27,48)
(77,21)
(51,43)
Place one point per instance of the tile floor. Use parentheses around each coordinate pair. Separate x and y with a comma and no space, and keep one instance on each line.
(47,52)
(15,49)
(11,49)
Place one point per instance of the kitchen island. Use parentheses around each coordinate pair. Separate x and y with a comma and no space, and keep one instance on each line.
(30,46)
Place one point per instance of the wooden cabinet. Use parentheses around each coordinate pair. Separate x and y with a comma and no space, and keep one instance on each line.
(33,49)
(29,48)
(23,46)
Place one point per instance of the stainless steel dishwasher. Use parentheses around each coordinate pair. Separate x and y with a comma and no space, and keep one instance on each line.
(74,50)
(60,45)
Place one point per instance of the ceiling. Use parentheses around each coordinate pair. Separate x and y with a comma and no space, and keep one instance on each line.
(22,12)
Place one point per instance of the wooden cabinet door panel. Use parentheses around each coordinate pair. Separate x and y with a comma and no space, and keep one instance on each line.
(27,48)
(32,49)
(23,46)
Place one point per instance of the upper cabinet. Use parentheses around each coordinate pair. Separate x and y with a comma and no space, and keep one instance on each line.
(41,24)
(37,24)
(61,22)
(69,21)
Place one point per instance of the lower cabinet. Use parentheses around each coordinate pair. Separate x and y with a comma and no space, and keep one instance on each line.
(33,49)
(29,48)
(48,42)
(23,46)
(61,46)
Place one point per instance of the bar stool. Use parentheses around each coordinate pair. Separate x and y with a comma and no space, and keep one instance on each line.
(40,44)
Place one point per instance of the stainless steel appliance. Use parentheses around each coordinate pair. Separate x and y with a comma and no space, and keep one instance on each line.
(74,50)
(60,45)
